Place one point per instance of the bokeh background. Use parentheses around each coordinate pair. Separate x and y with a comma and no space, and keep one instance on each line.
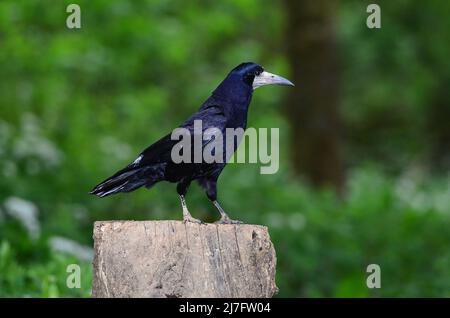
(365,135)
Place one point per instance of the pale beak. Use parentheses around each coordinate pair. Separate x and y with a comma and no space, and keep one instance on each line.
(266,78)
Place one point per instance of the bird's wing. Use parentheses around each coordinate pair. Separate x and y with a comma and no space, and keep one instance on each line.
(211,116)
(160,152)
(149,167)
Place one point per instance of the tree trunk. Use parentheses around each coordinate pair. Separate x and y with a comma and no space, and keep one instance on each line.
(312,108)
(173,259)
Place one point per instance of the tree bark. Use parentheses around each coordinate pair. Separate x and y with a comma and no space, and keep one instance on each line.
(312,108)
(173,259)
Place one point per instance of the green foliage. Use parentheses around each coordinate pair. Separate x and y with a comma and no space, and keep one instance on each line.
(32,270)
(395,83)
(325,247)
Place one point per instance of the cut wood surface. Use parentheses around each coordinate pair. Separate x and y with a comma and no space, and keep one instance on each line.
(173,259)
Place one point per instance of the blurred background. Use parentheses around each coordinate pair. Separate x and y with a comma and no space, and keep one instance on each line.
(364,136)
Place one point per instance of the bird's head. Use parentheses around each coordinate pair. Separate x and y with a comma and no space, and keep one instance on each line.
(255,76)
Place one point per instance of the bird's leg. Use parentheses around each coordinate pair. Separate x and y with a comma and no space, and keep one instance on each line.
(182,187)
(224,218)
(210,185)
(187,217)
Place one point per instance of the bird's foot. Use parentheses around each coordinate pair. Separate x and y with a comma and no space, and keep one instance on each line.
(189,218)
(227,220)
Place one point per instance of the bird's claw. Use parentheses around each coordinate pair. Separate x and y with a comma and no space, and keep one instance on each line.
(228,221)
(192,220)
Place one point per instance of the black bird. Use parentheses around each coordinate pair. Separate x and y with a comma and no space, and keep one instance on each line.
(227,107)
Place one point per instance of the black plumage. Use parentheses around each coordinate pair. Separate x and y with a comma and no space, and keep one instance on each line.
(227,107)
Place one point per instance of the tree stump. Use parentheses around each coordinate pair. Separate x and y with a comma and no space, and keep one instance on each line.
(173,259)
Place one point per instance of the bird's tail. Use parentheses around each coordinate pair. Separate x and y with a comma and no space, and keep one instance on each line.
(125,180)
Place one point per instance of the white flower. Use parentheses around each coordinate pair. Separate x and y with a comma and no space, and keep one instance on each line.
(65,245)
(25,212)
